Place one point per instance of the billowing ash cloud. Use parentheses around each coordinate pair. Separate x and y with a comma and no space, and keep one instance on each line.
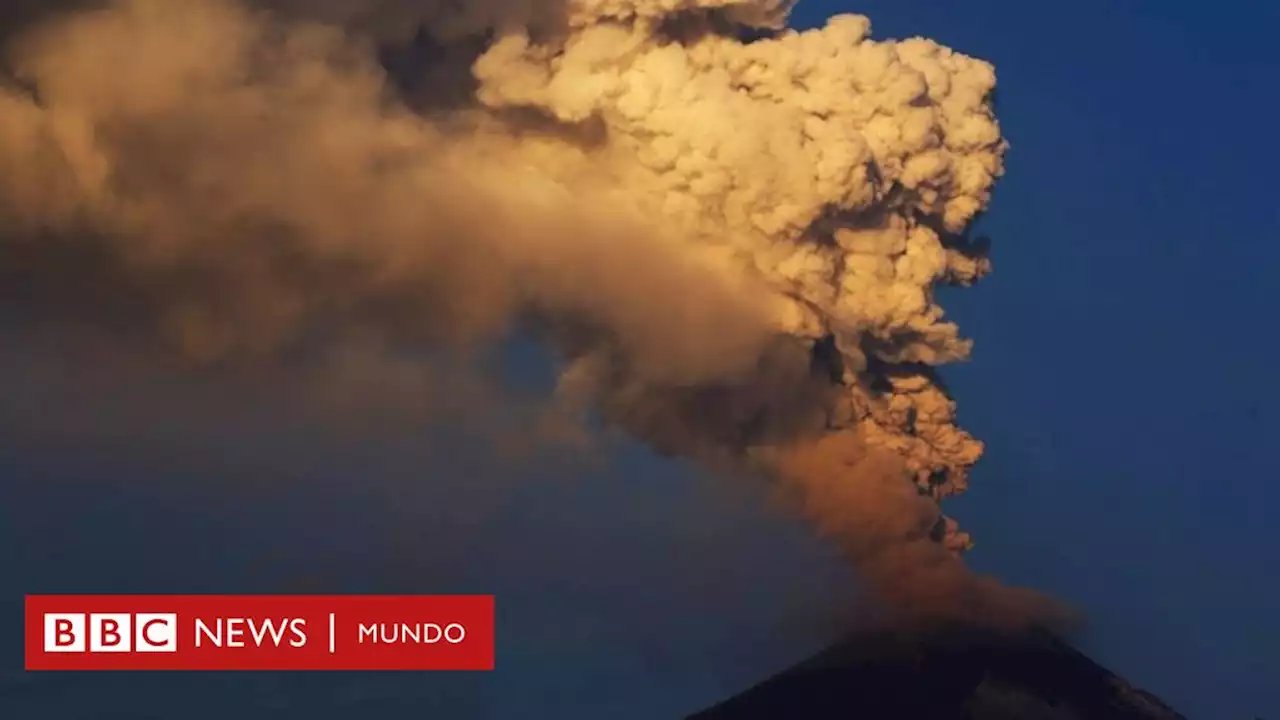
(729,230)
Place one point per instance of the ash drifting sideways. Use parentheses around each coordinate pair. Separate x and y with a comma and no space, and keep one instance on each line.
(730,231)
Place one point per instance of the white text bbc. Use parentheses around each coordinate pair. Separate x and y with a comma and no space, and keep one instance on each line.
(110,632)
(157,632)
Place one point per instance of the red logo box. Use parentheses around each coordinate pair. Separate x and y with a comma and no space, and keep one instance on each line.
(259,632)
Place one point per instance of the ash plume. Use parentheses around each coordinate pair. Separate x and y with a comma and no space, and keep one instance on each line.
(728,229)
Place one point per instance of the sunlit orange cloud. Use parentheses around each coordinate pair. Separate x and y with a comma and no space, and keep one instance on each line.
(731,245)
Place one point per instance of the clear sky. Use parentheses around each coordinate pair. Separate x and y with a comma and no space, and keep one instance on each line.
(1122,379)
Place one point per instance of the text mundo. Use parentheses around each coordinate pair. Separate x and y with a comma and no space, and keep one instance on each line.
(429,633)
(156,632)
(246,632)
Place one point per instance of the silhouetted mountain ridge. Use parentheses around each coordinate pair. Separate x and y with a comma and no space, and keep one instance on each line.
(952,673)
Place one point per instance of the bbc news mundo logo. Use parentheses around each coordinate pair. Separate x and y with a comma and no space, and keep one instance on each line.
(259,632)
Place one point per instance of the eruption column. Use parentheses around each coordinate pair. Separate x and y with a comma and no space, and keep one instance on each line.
(730,230)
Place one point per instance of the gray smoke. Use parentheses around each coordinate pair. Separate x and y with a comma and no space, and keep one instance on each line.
(732,244)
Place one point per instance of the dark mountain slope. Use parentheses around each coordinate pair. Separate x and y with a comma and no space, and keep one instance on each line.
(945,674)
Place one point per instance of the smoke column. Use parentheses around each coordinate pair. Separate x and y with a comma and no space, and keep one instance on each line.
(730,231)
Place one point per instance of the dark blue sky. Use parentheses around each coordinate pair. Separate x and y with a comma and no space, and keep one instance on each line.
(1122,379)
(1123,374)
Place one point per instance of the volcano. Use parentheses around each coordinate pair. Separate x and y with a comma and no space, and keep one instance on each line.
(953,673)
